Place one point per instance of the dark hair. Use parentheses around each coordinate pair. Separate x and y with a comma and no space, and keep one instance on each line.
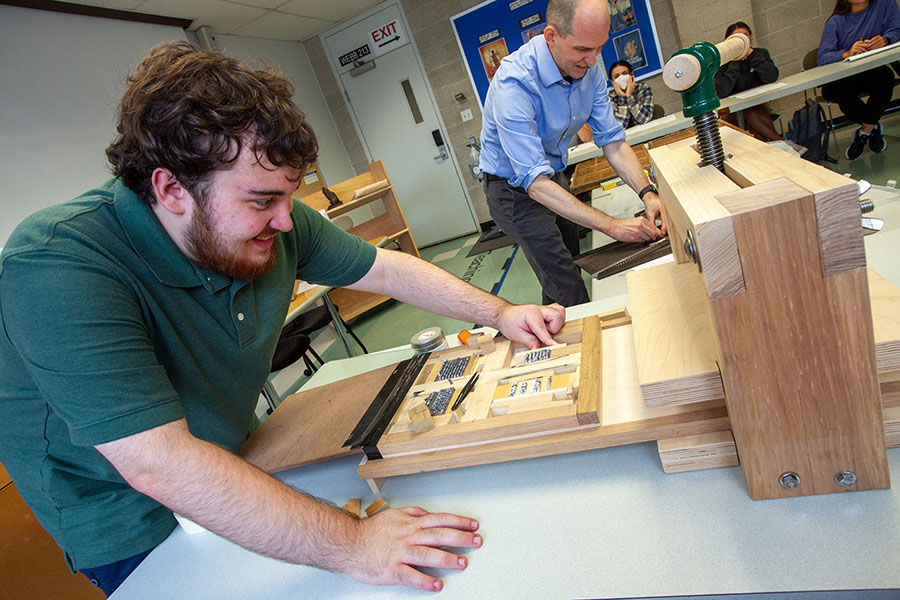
(621,63)
(843,6)
(190,111)
(560,14)
(737,25)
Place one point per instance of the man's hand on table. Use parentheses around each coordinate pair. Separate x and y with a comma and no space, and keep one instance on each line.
(530,324)
(392,543)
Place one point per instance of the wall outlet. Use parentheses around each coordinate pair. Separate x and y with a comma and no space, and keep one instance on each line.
(466,115)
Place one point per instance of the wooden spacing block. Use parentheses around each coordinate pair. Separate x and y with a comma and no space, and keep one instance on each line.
(694,452)
(376,507)
(352,507)
(420,418)
(486,344)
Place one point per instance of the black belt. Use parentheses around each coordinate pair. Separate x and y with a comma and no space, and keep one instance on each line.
(491,177)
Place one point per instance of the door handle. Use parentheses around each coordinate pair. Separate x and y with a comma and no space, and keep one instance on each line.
(442,148)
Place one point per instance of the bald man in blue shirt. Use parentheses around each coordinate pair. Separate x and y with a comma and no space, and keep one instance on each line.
(540,97)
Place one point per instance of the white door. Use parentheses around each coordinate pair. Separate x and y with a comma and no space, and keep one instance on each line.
(399,124)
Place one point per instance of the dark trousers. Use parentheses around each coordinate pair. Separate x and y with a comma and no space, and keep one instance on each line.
(548,240)
(109,577)
(878,82)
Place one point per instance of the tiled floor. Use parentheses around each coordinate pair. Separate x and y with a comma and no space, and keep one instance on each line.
(394,323)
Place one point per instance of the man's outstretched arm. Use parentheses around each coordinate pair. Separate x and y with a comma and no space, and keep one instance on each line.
(420,283)
(237,501)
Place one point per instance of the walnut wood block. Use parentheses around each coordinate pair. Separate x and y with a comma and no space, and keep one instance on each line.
(836,197)
(798,358)
(625,420)
(590,384)
(673,336)
(710,223)
(695,452)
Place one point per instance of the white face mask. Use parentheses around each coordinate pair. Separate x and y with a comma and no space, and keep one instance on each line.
(622,80)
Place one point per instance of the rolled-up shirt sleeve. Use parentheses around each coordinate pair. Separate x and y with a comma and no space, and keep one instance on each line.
(603,122)
(517,128)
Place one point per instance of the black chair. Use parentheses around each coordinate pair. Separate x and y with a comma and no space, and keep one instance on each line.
(292,346)
(658,111)
(318,317)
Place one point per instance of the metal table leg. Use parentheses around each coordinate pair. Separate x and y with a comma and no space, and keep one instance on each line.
(336,321)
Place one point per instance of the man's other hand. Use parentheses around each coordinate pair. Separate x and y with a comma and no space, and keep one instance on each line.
(637,229)
(394,542)
(530,324)
(653,210)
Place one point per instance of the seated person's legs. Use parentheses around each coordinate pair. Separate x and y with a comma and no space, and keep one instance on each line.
(759,122)
(879,85)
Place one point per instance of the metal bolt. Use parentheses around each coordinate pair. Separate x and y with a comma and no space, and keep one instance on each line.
(789,480)
(845,479)
(679,73)
(690,248)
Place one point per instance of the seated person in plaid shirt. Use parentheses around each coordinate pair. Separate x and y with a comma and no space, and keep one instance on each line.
(632,100)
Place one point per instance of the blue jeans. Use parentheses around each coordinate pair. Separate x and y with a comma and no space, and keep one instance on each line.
(109,577)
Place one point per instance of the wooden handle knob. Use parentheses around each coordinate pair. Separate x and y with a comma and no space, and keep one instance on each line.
(734,47)
(681,72)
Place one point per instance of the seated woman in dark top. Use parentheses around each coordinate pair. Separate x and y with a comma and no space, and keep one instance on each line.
(755,69)
(853,28)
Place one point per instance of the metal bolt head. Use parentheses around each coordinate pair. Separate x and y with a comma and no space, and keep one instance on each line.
(789,480)
(679,73)
(845,479)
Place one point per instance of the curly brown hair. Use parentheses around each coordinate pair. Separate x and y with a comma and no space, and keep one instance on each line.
(190,111)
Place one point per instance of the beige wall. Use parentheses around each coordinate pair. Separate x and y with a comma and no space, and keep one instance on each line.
(787,28)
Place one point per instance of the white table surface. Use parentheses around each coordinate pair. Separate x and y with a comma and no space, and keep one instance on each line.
(604,523)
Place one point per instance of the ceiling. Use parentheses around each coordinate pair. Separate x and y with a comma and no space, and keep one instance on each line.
(292,20)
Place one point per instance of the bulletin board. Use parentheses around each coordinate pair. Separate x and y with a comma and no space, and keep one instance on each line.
(496,28)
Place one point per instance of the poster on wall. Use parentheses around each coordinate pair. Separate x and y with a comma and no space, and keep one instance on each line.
(494,29)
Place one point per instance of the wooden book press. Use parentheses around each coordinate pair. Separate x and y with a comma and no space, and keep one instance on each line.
(766,310)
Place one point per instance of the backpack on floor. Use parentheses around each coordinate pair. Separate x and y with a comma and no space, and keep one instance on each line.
(808,129)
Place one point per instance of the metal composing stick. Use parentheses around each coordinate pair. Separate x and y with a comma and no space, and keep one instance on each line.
(636,258)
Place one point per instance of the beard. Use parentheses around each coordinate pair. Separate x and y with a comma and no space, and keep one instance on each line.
(212,251)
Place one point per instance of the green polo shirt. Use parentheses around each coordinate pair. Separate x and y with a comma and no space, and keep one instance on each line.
(107,330)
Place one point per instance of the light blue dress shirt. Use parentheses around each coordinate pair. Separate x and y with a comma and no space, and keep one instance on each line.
(531,113)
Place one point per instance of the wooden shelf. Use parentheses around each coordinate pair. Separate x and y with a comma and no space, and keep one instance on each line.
(391,224)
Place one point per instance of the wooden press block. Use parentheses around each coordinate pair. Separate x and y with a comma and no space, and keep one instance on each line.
(695,452)
(376,507)
(352,507)
(797,352)
(703,218)
(673,336)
